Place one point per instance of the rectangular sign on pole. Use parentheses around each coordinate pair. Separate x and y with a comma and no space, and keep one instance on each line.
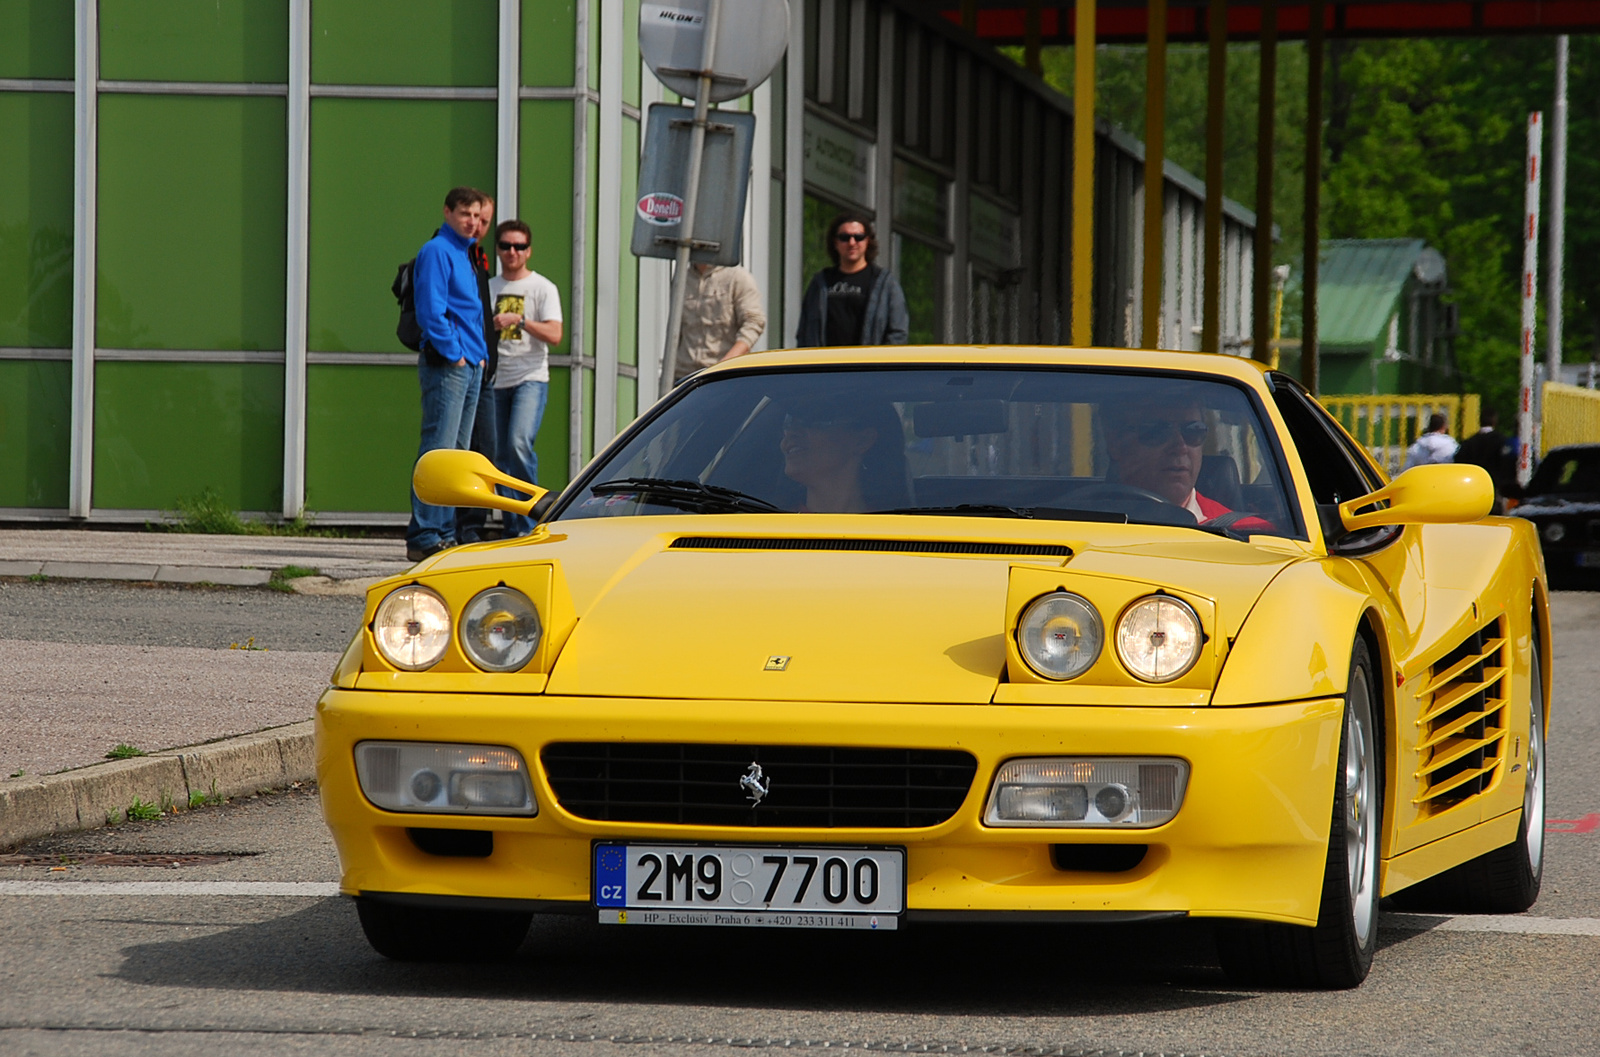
(724,184)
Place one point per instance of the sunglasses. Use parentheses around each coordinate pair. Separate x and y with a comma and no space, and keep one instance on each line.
(1157,432)
(851,236)
(514,247)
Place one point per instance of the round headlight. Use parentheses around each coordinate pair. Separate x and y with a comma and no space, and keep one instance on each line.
(412,628)
(1555,532)
(1060,635)
(500,629)
(1158,638)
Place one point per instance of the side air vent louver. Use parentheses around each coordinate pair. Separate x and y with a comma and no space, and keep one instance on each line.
(1461,743)
(769,543)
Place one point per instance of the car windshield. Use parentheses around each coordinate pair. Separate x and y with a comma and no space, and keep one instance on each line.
(1140,447)
(1566,473)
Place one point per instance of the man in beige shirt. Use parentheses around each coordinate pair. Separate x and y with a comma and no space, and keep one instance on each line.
(722,318)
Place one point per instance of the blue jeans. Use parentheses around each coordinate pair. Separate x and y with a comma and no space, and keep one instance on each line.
(449,405)
(520,409)
(470,520)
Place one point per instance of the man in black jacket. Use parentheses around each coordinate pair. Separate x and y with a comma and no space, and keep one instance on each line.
(1494,451)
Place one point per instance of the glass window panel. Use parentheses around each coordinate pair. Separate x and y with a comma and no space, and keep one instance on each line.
(37,40)
(36,220)
(362,427)
(413,42)
(168,431)
(549,42)
(194,40)
(921,270)
(191,222)
(376,198)
(35,432)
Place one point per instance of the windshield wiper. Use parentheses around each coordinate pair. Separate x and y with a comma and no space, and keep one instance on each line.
(1042,513)
(690,495)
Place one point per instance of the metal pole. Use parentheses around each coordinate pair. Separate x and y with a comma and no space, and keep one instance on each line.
(691,196)
(1527,427)
(1155,156)
(1261,349)
(1083,176)
(1216,88)
(298,255)
(85,182)
(1558,211)
(1313,193)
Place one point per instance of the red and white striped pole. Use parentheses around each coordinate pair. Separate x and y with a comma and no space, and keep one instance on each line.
(1527,426)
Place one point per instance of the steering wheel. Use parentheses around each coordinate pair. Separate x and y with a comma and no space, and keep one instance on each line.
(1117,490)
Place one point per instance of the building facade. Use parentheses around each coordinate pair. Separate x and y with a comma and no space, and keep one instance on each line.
(203,204)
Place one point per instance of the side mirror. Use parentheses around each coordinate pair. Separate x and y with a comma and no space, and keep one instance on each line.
(1440,494)
(452,477)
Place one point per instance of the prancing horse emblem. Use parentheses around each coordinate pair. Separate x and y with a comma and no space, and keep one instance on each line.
(755,784)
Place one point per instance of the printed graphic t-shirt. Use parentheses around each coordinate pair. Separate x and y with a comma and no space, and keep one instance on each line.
(847,303)
(524,357)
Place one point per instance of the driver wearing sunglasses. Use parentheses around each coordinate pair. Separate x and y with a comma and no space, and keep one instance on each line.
(1159,448)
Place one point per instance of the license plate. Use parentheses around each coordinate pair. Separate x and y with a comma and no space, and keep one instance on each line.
(1587,559)
(749,885)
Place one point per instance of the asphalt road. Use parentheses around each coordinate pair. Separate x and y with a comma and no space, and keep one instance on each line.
(154,970)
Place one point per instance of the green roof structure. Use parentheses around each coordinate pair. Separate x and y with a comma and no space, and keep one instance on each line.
(1381,327)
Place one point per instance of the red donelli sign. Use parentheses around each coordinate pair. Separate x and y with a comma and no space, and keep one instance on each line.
(659,207)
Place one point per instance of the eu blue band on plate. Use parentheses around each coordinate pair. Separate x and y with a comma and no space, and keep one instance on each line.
(610,875)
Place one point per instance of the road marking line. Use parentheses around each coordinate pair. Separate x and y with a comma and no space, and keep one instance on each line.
(315,889)
(1494,923)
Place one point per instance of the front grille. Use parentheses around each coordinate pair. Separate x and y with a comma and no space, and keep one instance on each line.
(1463,722)
(815,787)
(802,543)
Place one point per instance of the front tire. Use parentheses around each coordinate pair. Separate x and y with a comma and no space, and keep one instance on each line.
(1337,951)
(432,934)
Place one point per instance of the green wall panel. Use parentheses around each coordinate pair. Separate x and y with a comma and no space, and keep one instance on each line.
(545,192)
(549,42)
(628,284)
(36,38)
(168,431)
(376,197)
(551,443)
(414,42)
(363,424)
(194,40)
(36,220)
(192,221)
(35,432)
(632,67)
(627,402)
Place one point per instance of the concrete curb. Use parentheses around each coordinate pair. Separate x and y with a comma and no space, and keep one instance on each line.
(90,797)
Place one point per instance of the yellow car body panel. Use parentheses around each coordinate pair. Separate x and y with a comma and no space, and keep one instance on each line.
(645,641)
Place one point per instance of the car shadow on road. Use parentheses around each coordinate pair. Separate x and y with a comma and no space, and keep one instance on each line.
(991,970)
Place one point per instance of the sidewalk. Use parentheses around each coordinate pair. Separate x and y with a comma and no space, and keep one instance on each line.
(248,710)
(346,566)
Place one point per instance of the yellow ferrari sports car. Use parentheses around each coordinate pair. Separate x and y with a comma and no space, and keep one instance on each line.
(867,638)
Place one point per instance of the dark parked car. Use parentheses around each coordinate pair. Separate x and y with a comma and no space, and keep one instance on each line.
(1563,499)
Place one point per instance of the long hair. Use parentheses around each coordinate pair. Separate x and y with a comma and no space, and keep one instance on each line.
(851,218)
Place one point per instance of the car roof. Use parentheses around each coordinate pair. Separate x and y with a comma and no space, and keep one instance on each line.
(1233,367)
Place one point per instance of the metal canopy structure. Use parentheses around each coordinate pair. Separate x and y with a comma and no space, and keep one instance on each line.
(1156,23)
(1128,21)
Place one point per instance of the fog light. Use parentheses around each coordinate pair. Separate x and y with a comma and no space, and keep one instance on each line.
(444,779)
(1126,792)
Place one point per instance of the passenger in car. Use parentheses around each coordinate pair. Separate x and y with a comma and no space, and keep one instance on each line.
(849,458)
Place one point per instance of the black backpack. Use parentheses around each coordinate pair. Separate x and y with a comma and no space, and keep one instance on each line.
(409,333)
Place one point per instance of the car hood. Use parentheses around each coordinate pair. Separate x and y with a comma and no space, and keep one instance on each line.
(757,607)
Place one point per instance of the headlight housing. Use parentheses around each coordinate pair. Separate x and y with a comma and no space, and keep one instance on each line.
(1060,635)
(1159,638)
(500,629)
(1107,792)
(444,779)
(412,628)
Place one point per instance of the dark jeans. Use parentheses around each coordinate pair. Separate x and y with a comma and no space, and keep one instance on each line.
(449,406)
(470,520)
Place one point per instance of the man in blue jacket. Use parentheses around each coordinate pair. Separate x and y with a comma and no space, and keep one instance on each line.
(454,352)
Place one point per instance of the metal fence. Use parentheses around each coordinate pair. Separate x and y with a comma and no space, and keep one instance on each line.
(1571,415)
(1386,425)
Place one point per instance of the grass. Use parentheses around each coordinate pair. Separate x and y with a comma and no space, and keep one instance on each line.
(279,581)
(197,798)
(142,812)
(124,751)
(37,578)
(209,513)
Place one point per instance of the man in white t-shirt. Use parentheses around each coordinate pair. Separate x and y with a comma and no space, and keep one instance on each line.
(527,311)
(1434,445)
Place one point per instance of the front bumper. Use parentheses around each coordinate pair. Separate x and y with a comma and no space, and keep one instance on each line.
(1250,840)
